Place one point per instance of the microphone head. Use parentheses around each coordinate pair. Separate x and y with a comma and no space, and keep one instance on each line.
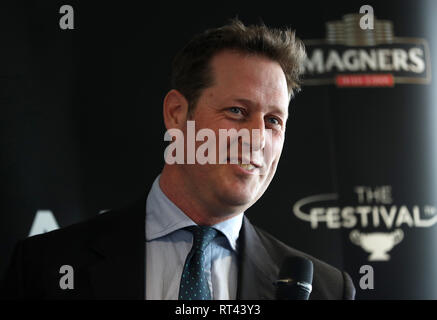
(297,268)
(295,279)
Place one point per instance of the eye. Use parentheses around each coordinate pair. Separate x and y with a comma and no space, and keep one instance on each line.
(274,121)
(235,110)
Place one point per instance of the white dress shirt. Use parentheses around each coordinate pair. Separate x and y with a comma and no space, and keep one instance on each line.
(167,247)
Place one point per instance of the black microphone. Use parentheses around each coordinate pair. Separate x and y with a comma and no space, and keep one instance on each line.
(295,279)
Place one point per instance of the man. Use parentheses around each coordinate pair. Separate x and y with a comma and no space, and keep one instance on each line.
(189,239)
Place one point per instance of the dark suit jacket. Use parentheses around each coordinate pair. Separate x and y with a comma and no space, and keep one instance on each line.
(107,254)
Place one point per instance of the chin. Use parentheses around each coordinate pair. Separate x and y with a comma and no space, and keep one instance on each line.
(236,197)
(239,201)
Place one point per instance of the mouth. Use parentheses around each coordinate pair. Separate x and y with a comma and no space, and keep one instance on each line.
(250,167)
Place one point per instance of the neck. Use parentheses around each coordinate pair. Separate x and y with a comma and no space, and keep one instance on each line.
(184,195)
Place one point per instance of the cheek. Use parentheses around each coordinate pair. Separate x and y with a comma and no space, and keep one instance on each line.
(277,143)
(278,147)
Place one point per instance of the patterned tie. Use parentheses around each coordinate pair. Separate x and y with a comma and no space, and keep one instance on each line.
(194,285)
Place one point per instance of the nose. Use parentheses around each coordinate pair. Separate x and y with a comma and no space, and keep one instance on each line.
(257,132)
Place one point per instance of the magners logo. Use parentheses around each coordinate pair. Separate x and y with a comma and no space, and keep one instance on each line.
(352,57)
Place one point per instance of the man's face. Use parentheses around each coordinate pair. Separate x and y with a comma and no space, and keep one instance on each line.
(248,92)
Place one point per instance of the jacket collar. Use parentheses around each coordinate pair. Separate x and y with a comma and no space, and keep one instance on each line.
(257,271)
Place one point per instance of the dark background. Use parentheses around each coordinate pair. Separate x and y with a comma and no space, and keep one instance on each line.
(82,129)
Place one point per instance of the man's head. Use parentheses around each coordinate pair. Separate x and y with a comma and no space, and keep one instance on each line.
(191,70)
(233,77)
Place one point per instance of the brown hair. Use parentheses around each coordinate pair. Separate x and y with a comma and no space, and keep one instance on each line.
(191,71)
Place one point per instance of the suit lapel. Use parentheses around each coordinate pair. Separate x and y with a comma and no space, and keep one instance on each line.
(257,270)
(119,272)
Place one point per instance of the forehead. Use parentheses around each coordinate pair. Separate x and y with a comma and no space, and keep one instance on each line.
(249,76)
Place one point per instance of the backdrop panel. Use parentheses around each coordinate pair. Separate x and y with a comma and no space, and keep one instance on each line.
(82,129)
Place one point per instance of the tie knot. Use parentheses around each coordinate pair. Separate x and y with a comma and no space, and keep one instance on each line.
(202,236)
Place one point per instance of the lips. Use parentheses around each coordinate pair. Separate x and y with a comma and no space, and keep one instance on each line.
(246,166)
(249,166)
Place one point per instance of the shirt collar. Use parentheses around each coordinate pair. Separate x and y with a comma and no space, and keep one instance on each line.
(164,217)
(231,229)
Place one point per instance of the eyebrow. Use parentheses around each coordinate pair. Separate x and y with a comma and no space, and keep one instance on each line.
(251,103)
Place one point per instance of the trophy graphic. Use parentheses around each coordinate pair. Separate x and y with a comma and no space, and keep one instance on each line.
(377,243)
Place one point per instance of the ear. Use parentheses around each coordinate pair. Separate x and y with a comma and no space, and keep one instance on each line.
(175,110)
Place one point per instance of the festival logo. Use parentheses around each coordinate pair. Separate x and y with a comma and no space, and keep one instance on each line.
(375,211)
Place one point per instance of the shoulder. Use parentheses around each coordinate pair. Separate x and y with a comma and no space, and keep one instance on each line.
(34,268)
(86,231)
(328,281)
(75,234)
(75,242)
